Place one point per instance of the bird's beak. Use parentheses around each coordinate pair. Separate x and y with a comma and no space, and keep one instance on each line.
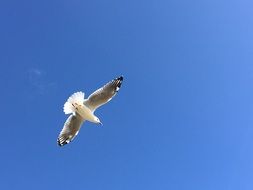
(100,123)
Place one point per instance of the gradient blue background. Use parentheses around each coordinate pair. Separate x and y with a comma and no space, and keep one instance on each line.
(182,119)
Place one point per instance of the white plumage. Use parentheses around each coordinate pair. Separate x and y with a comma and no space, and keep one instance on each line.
(83,109)
(75,99)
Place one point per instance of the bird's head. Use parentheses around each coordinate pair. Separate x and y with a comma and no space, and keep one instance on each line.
(98,121)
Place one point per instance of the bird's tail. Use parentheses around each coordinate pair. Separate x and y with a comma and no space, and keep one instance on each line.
(74,100)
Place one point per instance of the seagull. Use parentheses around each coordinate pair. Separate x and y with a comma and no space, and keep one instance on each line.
(83,109)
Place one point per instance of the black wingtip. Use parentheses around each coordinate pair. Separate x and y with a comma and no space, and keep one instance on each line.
(120,78)
(118,82)
(61,143)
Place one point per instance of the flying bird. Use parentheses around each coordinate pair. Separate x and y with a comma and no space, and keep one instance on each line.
(83,109)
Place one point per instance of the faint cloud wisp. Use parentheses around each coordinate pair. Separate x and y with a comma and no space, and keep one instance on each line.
(39,82)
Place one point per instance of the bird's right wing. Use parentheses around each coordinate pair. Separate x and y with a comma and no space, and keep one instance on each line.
(70,129)
(104,94)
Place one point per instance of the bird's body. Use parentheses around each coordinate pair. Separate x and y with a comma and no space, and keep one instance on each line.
(85,112)
(83,109)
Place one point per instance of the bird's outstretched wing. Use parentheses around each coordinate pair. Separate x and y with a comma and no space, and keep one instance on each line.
(103,94)
(70,129)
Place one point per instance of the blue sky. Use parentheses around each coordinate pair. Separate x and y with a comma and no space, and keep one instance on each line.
(182,119)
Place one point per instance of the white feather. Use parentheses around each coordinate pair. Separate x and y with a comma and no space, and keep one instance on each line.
(76,98)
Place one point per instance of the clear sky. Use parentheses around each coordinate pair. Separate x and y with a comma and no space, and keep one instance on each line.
(183,119)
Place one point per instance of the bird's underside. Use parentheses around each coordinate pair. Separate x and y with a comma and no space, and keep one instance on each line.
(82,109)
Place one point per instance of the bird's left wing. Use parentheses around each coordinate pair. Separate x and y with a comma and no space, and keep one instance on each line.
(104,94)
(70,129)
